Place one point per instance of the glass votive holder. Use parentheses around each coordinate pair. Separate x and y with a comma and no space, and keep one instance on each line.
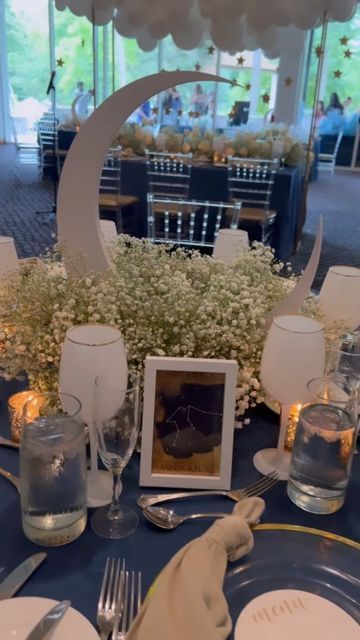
(16,405)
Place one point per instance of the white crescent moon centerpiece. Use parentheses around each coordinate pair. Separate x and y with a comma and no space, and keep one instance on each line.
(78,220)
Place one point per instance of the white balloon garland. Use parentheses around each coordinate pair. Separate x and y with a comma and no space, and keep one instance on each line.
(234,25)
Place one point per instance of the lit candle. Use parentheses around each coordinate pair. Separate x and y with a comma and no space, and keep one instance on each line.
(16,405)
(292,425)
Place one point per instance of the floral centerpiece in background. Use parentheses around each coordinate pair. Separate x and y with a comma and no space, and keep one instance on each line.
(266,144)
(172,303)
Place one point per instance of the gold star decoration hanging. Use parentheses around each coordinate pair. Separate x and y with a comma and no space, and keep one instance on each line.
(155,110)
(60,62)
(344,41)
(319,51)
(234,83)
(347,53)
(197,114)
(191,114)
(197,67)
(240,60)
(288,81)
(168,111)
(179,112)
(211,50)
(247,86)
(265,98)
(337,74)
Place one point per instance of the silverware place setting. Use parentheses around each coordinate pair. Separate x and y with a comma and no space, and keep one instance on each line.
(15,580)
(119,601)
(255,489)
(15,481)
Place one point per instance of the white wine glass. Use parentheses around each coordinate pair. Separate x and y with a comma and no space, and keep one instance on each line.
(90,350)
(340,295)
(116,421)
(294,352)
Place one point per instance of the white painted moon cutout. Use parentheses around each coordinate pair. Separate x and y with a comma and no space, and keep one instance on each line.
(78,219)
(78,195)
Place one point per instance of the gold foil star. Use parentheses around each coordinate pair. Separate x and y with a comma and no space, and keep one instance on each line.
(211,50)
(234,83)
(60,62)
(319,51)
(167,111)
(240,61)
(247,87)
(265,98)
(288,81)
(155,110)
(347,53)
(344,41)
(337,74)
(191,114)
(197,67)
(179,112)
(197,114)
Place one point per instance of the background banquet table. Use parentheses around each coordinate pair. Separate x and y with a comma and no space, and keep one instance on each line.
(75,571)
(209,182)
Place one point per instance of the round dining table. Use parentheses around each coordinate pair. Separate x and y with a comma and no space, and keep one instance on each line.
(75,571)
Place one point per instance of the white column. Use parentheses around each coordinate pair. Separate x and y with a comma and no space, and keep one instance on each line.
(5,128)
(288,98)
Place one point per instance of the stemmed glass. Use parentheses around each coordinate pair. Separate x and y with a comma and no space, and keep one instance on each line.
(90,350)
(294,352)
(345,358)
(116,421)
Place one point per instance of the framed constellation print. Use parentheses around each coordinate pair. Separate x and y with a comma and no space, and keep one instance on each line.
(188,423)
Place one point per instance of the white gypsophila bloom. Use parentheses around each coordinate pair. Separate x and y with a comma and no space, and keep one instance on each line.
(165,302)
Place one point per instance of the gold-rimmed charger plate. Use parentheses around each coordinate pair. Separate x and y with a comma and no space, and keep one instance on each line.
(287,556)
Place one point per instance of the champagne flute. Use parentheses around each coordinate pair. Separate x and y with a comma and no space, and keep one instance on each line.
(116,421)
(294,352)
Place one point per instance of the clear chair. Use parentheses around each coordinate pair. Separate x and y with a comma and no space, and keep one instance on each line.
(327,161)
(189,223)
(169,174)
(47,135)
(251,182)
(111,200)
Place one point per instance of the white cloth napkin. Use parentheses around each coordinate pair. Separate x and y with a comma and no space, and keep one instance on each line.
(186,601)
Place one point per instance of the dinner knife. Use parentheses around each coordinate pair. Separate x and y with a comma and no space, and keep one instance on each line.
(5,442)
(16,578)
(49,621)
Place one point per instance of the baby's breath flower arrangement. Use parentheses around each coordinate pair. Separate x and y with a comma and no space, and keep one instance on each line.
(165,302)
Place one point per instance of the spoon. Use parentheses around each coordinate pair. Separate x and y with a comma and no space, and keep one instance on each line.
(168,519)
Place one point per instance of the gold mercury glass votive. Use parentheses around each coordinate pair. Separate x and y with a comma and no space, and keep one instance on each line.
(16,405)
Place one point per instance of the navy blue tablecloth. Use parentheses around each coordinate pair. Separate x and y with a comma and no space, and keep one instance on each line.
(210,183)
(75,571)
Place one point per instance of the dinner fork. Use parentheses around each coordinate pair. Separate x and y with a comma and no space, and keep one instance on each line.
(128,605)
(254,489)
(112,580)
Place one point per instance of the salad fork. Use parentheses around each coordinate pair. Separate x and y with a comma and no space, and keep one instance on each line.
(112,580)
(128,605)
(254,489)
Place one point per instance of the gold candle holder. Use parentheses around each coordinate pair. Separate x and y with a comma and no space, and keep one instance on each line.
(16,405)
(292,426)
